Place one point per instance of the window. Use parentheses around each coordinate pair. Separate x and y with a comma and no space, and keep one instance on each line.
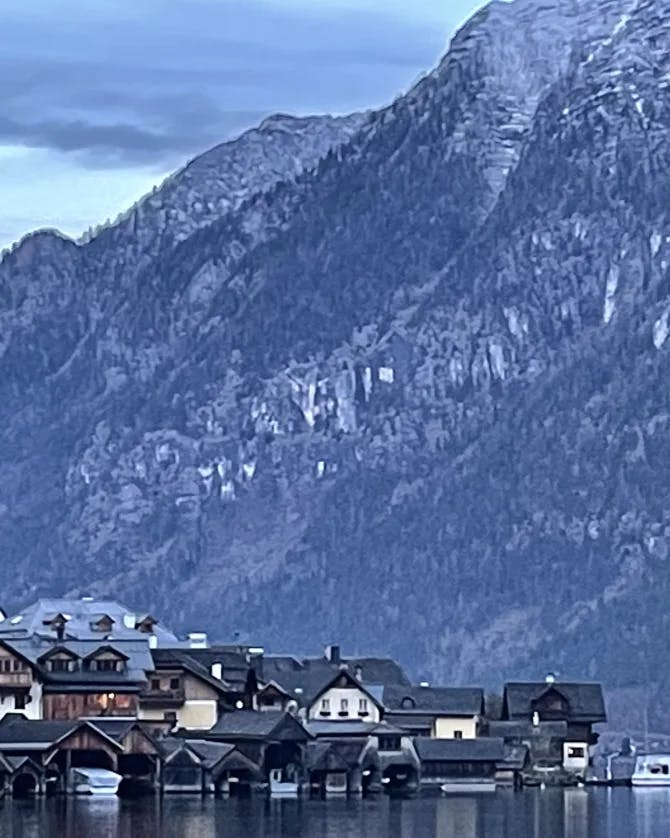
(155,684)
(20,701)
(389,743)
(575,752)
(175,683)
(458,734)
(362,705)
(170,716)
(408,703)
(61,665)
(18,666)
(325,707)
(344,705)
(6,665)
(107,665)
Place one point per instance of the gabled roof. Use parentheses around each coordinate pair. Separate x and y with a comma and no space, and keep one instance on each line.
(377,671)
(118,728)
(57,650)
(442,701)
(305,686)
(234,664)
(105,648)
(459,750)
(18,732)
(351,682)
(183,659)
(260,726)
(323,756)
(585,700)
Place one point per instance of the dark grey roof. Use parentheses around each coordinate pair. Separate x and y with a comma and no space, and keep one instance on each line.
(118,728)
(347,727)
(373,671)
(233,664)
(459,750)
(306,685)
(445,701)
(251,724)
(585,700)
(323,756)
(37,734)
(184,659)
(522,729)
(209,753)
(410,721)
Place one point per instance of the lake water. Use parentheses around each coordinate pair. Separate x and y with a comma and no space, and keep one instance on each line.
(552,813)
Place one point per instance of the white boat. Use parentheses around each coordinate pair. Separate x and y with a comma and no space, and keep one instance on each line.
(336,783)
(95,781)
(281,786)
(468,787)
(651,770)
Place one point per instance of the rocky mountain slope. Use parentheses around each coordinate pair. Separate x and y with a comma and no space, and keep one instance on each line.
(406,390)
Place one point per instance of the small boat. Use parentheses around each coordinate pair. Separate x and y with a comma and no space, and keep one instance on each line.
(281,786)
(468,787)
(336,783)
(97,781)
(651,770)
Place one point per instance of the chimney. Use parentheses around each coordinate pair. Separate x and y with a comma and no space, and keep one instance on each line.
(130,621)
(333,654)
(217,671)
(197,640)
(153,642)
(550,678)
(358,672)
(60,630)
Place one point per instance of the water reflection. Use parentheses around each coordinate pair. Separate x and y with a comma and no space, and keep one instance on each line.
(550,813)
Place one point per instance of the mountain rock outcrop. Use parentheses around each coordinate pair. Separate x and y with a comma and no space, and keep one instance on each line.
(396,379)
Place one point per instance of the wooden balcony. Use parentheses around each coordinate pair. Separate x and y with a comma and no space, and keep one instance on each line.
(162,698)
(16,679)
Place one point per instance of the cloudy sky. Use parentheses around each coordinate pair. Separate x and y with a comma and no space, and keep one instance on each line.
(100,99)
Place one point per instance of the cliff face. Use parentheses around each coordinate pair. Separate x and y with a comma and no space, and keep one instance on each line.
(395,379)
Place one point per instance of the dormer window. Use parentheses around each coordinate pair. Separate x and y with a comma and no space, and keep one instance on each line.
(146,624)
(107,665)
(106,659)
(62,665)
(103,624)
(408,703)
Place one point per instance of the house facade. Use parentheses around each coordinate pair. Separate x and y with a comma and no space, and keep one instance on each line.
(343,697)
(180,693)
(578,705)
(436,712)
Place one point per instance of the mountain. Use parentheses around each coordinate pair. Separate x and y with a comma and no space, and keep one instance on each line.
(396,380)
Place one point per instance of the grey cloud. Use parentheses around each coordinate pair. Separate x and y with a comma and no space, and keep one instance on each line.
(126,92)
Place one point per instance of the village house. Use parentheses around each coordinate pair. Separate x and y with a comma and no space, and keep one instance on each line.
(274,741)
(180,693)
(459,764)
(438,712)
(534,705)
(70,679)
